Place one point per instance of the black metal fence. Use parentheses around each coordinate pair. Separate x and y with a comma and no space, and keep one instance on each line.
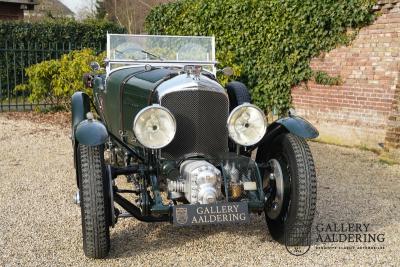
(14,58)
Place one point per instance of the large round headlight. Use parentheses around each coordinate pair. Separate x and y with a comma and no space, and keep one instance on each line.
(154,127)
(247,124)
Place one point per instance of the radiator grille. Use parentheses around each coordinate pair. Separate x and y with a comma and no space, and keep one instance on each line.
(201,117)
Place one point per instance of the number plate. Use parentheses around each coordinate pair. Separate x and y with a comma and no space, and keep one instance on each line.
(218,213)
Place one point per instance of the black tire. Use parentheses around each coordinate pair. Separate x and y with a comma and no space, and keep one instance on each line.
(238,94)
(299,188)
(95,203)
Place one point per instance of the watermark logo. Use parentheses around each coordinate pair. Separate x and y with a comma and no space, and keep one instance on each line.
(348,236)
(332,236)
(297,238)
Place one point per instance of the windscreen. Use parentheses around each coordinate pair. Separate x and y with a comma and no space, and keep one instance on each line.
(163,48)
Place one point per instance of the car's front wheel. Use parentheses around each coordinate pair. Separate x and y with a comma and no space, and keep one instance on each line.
(94,201)
(290,186)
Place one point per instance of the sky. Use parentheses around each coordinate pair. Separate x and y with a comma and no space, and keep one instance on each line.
(76,5)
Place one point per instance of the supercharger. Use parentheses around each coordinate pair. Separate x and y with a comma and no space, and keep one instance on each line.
(200,182)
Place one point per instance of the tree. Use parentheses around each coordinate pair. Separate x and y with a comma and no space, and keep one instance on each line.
(88,11)
(130,14)
(101,11)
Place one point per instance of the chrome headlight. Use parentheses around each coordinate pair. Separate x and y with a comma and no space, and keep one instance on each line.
(154,127)
(247,124)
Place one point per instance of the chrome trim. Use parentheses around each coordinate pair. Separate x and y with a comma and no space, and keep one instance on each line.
(77,199)
(160,35)
(132,63)
(185,62)
(236,110)
(154,106)
(176,65)
(183,95)
(188,83)
(277,175)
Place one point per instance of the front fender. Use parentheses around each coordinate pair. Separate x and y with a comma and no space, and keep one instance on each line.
(91,132)
(293,124)
(298,126)
(80,107)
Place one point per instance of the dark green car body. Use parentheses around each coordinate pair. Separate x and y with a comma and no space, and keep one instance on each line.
(119,97)
(201,169)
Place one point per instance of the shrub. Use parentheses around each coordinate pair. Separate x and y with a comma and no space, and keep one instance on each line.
(89,33)
(23,44)
(271,42)
(54,81)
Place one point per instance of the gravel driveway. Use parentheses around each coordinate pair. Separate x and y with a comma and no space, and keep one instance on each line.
(40,225)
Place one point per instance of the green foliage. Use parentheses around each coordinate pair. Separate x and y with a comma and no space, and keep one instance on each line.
(229,61)
(54,81)
(90,33)
(23,44)
(324,78)
(270,43)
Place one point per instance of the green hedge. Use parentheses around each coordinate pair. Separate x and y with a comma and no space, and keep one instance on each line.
(23,44)
(88,33)
(269,42)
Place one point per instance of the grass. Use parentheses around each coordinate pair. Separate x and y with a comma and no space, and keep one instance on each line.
(330,141)
(364,147)
(384,156)
(387,160)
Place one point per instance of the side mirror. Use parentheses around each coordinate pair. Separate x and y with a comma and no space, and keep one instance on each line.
(94,66)
(227,71)
(88,80)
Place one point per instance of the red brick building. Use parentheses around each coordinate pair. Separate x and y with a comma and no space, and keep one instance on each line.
(365,108)
(14,9)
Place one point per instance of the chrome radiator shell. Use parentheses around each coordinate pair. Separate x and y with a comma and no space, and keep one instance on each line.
(201,108)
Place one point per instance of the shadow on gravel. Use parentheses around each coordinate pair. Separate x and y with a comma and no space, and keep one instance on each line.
(348,192)
(352,188)
(142,237)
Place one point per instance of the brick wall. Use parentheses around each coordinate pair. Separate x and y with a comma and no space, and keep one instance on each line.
(364,110)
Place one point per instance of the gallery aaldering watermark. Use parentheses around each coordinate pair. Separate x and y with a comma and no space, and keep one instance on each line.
(335,236)
(297,239)
(348,236)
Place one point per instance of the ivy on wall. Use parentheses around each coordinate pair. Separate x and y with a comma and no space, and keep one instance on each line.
(269,43)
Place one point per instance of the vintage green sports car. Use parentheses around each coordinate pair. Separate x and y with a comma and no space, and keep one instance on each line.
(192,151)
